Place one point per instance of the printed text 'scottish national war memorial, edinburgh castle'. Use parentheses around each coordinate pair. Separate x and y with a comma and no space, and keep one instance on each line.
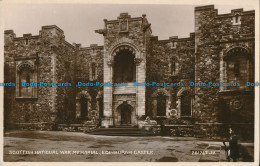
(221,49)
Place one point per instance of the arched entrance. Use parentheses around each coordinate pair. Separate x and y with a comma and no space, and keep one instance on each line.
(126,111)
(122,63)
(186,103)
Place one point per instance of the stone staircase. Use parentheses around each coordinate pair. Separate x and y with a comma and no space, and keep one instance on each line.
(121,131)
(130,89)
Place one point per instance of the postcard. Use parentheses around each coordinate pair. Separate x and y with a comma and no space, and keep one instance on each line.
(130,82)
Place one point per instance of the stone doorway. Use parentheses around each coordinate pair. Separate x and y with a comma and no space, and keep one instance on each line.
(83,107)
(126,111)
(186,104)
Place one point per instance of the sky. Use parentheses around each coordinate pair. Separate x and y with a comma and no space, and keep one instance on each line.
(79,21)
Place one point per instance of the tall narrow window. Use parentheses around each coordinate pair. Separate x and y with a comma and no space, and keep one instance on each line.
(236,18)
(26,41)
(25,76)
(173,66)
(173,44)
(94,71)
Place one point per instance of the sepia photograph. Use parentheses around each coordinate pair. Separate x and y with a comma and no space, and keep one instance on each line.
(110,82)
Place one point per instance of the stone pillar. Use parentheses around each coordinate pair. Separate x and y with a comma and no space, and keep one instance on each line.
(108,94)
(140,92)
(222,73)
(168,104)
(77,108)
(179,107)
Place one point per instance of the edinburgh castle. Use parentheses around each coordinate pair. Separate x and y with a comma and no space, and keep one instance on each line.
(220,50)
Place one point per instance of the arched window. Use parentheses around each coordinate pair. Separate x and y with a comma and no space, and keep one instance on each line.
(83,105)
(25,77)
(237,68)
(26,73)
(124,66)
(186,102)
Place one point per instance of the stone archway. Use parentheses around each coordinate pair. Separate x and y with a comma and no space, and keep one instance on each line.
(26,72)
(83,105)
(185,102)
(124,66)
(237,67)
(185,106)
(125,111)
(160,103)
(124,62)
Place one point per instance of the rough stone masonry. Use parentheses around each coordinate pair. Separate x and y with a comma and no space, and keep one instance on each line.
(221,49)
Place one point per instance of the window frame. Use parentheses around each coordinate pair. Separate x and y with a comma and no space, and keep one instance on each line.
(31,63)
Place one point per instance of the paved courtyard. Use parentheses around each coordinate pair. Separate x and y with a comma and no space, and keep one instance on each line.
(76,146)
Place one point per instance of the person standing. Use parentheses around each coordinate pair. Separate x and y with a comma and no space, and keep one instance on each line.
(233,146)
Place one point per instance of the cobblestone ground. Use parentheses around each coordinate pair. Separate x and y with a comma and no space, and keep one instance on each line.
(51,146)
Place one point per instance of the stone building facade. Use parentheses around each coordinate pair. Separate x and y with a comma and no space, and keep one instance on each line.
(220,50)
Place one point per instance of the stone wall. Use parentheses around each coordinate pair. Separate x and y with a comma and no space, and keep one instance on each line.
(50,67)
(201,57)
(85,58)
(124,33)
(163,54)
(64,69)
(213,35)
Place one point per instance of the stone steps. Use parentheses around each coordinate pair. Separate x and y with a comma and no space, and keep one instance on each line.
(125,126)
(121,131)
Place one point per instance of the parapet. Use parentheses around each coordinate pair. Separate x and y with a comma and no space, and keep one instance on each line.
(52,27)
(124,15)
(7,32)
(208,7)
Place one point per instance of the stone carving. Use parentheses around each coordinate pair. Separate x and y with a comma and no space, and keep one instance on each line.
(110,62)
(138,61)
(236,104)
(123,25)
(145,24)
(23,65)
(101,31)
